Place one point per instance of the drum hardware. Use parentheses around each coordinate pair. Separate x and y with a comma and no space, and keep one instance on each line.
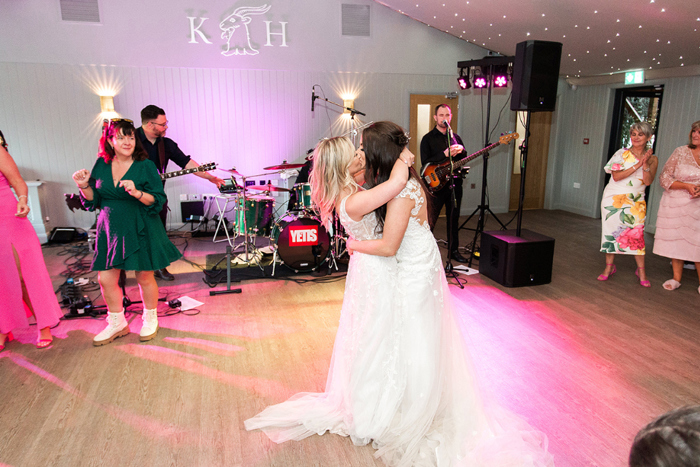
(303,196)
(261,212)
(338,243)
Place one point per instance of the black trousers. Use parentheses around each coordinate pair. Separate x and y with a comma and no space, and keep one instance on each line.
(164,214)
(442,198)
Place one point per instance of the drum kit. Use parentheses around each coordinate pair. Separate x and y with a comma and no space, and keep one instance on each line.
(298,239)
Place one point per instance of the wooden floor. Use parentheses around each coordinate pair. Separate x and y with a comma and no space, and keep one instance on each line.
(587,362)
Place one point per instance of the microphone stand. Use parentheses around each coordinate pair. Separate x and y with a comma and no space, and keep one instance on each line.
(352,111)
(449,268)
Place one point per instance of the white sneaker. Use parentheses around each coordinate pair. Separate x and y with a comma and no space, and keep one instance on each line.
(150,324)
(117,326)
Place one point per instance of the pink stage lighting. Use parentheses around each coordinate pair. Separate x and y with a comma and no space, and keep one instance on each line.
(500,81)
(480,82)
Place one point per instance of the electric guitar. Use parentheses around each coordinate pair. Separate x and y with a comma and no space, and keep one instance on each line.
(202,168)
(435,175)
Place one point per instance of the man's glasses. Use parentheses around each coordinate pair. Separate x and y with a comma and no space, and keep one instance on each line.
(161,124)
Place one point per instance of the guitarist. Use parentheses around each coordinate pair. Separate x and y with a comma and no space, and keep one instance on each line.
(162,150)
(434,149)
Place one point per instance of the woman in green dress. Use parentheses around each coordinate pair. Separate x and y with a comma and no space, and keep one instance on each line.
(125,186)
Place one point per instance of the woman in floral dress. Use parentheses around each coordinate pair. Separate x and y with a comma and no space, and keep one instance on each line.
(623,209)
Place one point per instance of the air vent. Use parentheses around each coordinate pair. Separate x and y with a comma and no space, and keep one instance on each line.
(355,20)
(85,11)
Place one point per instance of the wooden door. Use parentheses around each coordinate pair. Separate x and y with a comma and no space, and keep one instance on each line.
(422,112)
(536,173)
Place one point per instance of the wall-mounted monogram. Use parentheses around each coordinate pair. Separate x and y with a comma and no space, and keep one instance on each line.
(236,32)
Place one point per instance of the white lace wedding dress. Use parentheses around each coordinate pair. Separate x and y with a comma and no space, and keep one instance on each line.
(400,377)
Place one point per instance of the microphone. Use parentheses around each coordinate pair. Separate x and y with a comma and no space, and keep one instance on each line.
(313,98)
(446,123)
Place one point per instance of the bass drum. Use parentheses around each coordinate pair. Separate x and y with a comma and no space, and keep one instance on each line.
(302,242)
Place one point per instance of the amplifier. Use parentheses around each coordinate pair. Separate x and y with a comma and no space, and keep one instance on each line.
(515,261)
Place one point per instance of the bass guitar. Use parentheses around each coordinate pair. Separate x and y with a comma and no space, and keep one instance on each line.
(435,175)
(202,168)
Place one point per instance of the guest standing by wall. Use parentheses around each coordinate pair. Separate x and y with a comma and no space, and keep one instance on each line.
(678,221)
(623,208)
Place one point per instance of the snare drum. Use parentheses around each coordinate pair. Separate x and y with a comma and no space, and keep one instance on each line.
(257,215)
(303,196)
(302,242)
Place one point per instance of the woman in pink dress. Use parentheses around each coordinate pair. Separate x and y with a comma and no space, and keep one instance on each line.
(20,251)
(678,221)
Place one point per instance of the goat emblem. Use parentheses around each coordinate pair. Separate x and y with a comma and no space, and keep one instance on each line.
(240,17)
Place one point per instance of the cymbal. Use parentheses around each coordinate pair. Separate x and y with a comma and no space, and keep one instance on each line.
(267,188)
(284,167)
(232,171)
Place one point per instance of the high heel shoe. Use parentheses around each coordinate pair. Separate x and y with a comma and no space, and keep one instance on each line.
(641,282)
(9,338)
(604,277)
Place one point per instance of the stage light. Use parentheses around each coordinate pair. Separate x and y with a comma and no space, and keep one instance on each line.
(463,81)
(480,82)
(500,76)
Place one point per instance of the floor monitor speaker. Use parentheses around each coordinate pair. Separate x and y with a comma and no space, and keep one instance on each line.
(515,261)
(535,75)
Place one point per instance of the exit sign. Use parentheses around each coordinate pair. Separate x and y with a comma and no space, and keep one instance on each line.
(634,77)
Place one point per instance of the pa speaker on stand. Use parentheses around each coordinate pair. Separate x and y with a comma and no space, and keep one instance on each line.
(521,257)
(535,75)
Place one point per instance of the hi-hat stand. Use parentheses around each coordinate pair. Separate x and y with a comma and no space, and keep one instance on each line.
(487,64)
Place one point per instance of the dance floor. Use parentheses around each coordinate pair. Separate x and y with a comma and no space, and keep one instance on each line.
(586,362)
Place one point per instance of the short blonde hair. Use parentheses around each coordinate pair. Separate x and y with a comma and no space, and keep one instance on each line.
(330,175)
(643,127)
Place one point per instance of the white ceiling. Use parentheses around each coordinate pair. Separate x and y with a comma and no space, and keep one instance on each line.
(599,36)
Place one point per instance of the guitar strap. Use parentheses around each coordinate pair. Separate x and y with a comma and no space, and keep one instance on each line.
(161,154)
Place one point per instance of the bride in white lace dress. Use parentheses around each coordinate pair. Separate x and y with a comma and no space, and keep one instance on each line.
(400,375)
(439,417)
(356,396)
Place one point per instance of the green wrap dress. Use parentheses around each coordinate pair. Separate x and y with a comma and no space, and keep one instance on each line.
(130,235)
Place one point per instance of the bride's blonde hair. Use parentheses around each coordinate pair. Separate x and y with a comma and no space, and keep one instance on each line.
(330,175)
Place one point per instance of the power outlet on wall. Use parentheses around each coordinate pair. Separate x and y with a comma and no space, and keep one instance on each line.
(183,197)
(195,197)
(577,185)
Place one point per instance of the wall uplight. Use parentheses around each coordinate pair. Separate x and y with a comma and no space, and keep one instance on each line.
(107,103)
(348,103)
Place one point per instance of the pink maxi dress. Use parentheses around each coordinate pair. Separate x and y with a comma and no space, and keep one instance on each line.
(18,232)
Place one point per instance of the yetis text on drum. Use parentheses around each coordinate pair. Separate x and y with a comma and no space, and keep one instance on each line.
(256,217)
(302,243)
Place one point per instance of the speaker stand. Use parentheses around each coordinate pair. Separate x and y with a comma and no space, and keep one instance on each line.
(483,207)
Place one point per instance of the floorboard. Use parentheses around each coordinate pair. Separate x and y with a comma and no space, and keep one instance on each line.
(587,362)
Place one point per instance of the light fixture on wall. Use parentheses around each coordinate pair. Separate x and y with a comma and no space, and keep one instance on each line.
(348,104)
(107,103)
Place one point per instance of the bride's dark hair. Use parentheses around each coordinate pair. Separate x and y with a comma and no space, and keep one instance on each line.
(382,143)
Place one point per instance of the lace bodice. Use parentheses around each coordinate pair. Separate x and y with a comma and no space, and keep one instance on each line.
(365,229)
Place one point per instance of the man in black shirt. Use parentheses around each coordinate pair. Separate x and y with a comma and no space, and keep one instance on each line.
(434,149)
(161,150)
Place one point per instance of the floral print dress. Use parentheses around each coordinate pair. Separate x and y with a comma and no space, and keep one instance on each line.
(623,209)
